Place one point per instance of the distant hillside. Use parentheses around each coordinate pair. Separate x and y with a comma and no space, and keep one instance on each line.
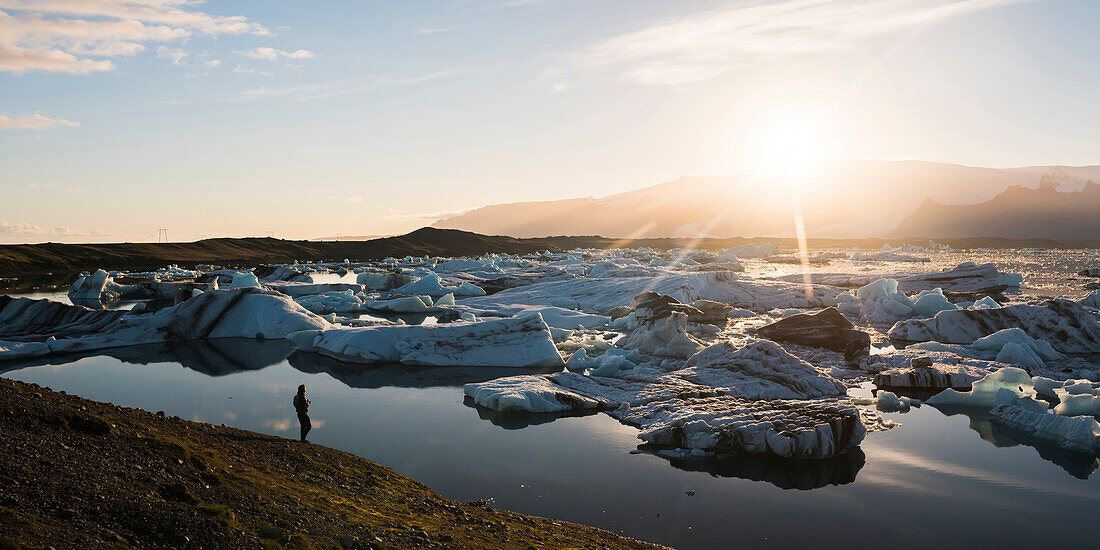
(1044,212)
(854,199)
(38,259)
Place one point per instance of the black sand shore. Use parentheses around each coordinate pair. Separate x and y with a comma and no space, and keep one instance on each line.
(76,473)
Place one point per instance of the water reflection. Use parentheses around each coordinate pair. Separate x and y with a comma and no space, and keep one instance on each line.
(1078,465)
(803,475)
(517,420)
(217,357)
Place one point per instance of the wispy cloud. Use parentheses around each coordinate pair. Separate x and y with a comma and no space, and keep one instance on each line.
(19,229)
(706,44)
(354,199)
(33,122)
(176,55)
(38,185)
(32,230)
(318,91)
(272,54)
(75,36)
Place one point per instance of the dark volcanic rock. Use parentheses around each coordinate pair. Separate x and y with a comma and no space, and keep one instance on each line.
(827,329)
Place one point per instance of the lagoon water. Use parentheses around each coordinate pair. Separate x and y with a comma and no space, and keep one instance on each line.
(932,482)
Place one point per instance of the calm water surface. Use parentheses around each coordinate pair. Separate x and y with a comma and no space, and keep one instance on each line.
(932,482)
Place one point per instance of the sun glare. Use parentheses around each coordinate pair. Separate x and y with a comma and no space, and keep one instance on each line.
(789,151)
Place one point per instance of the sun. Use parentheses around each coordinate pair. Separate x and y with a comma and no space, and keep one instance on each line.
(789,151)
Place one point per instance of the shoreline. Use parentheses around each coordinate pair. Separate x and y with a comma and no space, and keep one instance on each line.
(77,473)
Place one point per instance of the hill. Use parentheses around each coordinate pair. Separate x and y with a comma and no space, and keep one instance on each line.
(1019,211)
(853,199)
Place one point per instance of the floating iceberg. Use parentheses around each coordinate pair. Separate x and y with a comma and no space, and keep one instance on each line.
(751,250)
(239,313)
(1075,433)
(1067,326)
(966,277)
(984,392)
(761,369)
(600,295)
(522,342)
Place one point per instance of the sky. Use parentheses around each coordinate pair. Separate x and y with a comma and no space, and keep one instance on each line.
(315,119)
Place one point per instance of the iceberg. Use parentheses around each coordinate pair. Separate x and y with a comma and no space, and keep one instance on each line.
(329,302)
(984,392)
(966,277)
(601,295)
(1064,324)
(661,328)
(432,285)
(761,369)
(239,313)
(522,342)
(1075,433)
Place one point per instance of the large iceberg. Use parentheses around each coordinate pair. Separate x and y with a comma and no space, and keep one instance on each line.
(600,295)
(1067,326)
(760,369)
(966,277)
(238,313)
(515,342)
(754,400)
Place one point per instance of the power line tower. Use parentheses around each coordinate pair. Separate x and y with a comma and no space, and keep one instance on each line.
(162,235)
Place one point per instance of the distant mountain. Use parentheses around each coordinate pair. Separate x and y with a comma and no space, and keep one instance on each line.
(853,199)
(1018,212)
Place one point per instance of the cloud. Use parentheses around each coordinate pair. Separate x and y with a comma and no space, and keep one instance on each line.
(356,198)
(315,92)
(213,63)
(33,122)
(709,43)
(271,54)
(74,35)
(19,229)
(37,185)
(176,55)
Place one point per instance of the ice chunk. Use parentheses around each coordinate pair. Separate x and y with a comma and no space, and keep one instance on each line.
(98,287)
(238,313)
(789,429)
(523,342)
(244,279)
(888,402)
(407,304)
(329,302)
(662,327)
(759,370)
(528,393)
(985,303)
(925,377)
(600,295)
(750,250)
(966,277)
(984,391)
(1067,326)
(1077,433)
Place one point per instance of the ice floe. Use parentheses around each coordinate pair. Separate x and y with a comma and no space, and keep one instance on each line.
(515,342)
(1064,324)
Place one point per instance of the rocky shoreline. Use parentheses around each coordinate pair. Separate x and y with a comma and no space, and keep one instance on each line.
(76,473)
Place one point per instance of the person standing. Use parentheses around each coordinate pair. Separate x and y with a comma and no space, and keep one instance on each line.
(301,404)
